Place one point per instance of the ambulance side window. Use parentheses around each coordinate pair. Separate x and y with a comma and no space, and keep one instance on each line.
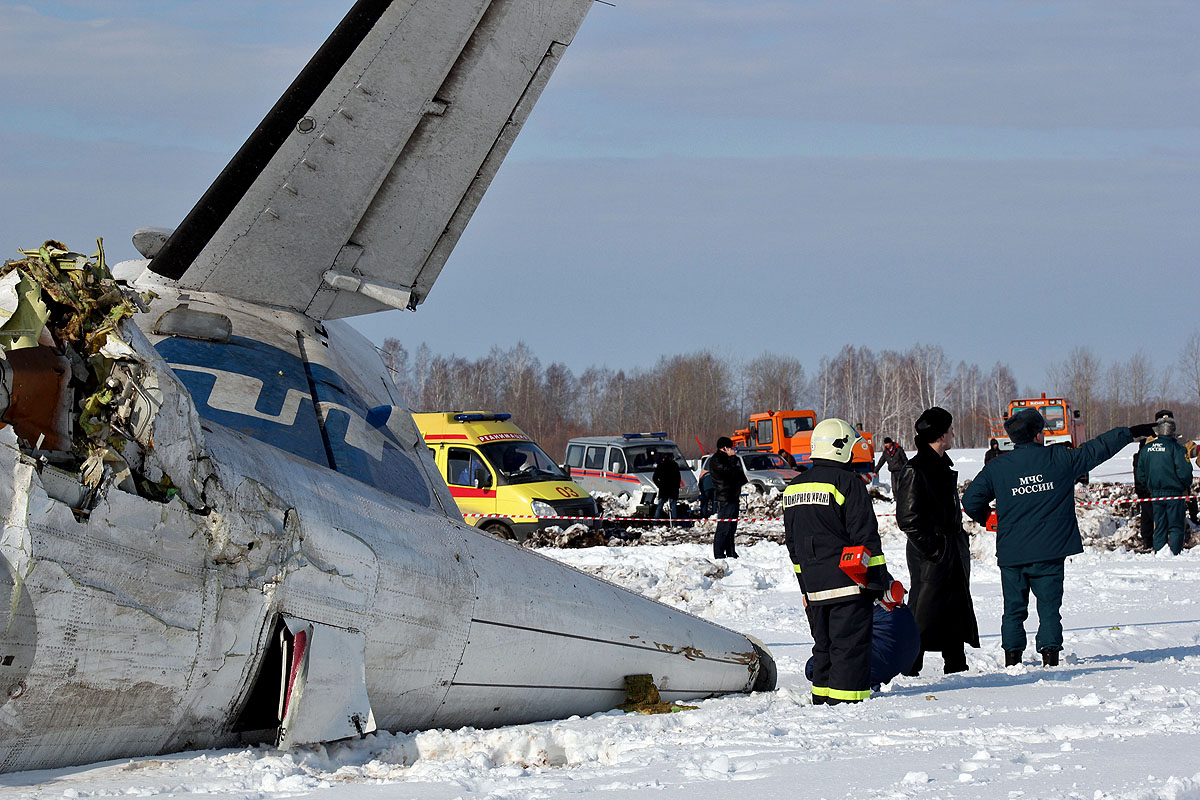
(595,458)
(461,465)
(575,455)
(616,460)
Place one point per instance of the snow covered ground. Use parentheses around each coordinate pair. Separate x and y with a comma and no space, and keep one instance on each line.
(1119,719)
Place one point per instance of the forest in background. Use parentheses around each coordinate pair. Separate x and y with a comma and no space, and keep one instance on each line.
(701,396)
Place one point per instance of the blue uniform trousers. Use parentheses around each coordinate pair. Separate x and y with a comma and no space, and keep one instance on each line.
(1169,527)
(1045,578)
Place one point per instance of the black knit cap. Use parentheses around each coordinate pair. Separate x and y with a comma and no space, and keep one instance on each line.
(1025,425)
(933,424)
(1163,413)
(724,442)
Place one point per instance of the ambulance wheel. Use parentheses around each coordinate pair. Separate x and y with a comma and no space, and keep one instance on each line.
(497,529)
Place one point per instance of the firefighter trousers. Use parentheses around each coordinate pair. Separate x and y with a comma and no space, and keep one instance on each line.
(841,650)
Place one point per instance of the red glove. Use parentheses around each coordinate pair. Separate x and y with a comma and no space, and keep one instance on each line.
(894,596)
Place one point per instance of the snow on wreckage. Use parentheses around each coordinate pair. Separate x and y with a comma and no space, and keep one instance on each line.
(221,525)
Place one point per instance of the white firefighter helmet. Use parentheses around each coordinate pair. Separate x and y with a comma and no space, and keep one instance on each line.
(834,439)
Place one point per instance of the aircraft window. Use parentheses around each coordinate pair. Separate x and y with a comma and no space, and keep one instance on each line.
(575,455)
(793,425)
(461,465)
(1056,418)
(616,461)
(595,458)
(764,435)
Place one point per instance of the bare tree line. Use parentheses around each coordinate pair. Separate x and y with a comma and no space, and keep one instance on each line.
(698,397)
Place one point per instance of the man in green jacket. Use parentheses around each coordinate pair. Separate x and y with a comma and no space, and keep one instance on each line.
(1164,470)
(1034,490)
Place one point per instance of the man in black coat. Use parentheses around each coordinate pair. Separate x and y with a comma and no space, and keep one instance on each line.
(666,478)
(939,554)
(728,479)
(1036,528)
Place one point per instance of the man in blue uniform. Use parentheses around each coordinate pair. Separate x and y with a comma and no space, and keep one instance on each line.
(1164,470)
(1034,490)
(827,511)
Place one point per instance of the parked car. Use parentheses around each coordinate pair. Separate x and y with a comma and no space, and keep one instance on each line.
(764,470)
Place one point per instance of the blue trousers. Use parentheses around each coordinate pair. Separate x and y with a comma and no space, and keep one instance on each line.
(1169,527)
(672,503)
(1045,579)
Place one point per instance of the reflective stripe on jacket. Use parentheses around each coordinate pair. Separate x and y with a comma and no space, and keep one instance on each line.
(825,510)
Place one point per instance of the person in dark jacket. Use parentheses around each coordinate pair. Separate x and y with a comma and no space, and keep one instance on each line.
(939,554)
(825,511)
(666,478)
(1034,490)
(894,456)
(707,502)
(1165,472)
(728,478)
(992,451)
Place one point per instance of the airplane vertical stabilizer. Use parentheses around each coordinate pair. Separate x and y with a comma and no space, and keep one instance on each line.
(351,193)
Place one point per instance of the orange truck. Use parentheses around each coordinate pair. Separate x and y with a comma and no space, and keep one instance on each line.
(791,432)
(1063,423)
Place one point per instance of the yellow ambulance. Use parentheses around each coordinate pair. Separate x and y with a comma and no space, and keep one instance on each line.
(502,481)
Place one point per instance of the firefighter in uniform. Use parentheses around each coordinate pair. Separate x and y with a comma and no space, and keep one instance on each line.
(826,511)
(1034,489)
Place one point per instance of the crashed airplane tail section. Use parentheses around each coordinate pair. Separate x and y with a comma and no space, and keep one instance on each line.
(220,523)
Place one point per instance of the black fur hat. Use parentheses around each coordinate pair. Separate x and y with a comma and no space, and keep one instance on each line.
(933,424)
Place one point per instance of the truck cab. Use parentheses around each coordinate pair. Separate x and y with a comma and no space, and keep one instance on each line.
(503,482)
(1063,422)
(791,431)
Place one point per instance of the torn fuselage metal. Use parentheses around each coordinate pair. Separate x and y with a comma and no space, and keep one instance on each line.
(150,620)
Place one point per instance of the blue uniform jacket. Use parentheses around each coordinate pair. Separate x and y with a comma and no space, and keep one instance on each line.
(1034,490)
(1163,468)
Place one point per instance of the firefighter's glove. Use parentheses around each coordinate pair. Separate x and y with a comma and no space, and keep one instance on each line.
(1142,431)
(893,597)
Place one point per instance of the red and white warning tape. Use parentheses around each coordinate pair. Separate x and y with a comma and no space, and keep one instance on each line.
(665,521)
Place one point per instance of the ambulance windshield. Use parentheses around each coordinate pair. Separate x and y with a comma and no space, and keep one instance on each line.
(521,462)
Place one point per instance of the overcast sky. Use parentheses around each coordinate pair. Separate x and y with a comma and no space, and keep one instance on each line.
(728,175)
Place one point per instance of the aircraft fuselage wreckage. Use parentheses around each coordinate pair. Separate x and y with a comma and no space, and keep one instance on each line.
(221,525)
